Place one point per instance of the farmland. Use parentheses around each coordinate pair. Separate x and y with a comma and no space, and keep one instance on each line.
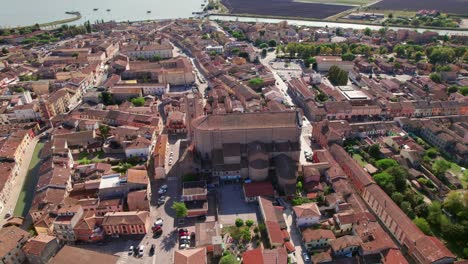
(446,6)
(339,2)
(285,8)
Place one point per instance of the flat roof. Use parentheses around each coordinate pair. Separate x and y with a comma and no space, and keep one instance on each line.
(109,181)
(355,95)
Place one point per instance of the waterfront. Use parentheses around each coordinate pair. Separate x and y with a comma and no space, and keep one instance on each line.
(317,23)
(28,12)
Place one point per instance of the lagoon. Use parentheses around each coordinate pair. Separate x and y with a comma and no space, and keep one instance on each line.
(28,12)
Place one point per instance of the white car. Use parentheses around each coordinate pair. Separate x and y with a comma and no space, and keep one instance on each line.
(164,187)
(182,246)
(162,191)
(170,163)
(141,251)
(185,237)
(159,222)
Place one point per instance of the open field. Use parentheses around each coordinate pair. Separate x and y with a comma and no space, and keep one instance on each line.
(339,2)
(459,7)
(284,8)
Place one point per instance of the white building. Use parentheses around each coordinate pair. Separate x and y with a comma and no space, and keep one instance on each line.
(307,214)
(217,49)
(140,147)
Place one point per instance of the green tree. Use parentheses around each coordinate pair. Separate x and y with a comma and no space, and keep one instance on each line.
(228,259)
(106,98)
(441,55)
(249,223)
(19,90)
(5,50)
(256,82)
(299,186)
(452,89)
(406,207)
(180,208)
(322,97)
(440,166)
(421,210)
(397,197)
(367,31)
(104,132)
(399,175)
(435,213)
(454,203)
(337,76)
(374,151)
(348,56)
(435,77)
(245,234)
(451,231)
(239,222)
(272,43)
(385,180)
(139,101)
(423,225)
(418,55)
(384,164)
(400,50)
(464,90)
(431,153)
(263,46)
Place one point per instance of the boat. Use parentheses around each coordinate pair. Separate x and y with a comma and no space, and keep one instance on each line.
(95,9)
(108,10)
(147,12)
(72,13)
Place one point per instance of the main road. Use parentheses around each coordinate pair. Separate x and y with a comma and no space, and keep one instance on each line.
(312,23)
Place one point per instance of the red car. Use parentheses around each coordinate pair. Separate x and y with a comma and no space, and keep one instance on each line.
(156,228)
(183,234)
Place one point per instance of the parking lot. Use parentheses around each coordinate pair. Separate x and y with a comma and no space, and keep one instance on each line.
(233,206)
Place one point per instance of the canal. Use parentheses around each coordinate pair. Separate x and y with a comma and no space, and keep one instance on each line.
(27,192)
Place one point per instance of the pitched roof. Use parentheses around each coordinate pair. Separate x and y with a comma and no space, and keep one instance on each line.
(344,242)
(75,255)
(307,210)
(255,189)
(36,245)
(309,235)
(10,237)
(190,256)
(125,218)
(239,121)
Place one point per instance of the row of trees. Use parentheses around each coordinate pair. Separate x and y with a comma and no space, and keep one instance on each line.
(307,50)
(337,76)
(435,54)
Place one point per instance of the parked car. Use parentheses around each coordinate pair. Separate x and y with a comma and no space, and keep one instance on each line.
(202,217)
(182,246)
(306,257)
(184,238)
(184,241)
(161,202)
(164,187)
(162,191)
(159,222)
(151,251)
(131,250)
(141,251)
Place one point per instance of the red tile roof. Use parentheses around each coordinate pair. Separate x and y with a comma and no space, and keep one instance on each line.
(274,232)
(255,189)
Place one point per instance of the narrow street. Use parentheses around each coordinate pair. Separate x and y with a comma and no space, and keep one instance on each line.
(296,238)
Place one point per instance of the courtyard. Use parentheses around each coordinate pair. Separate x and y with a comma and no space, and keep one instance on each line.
(233,206)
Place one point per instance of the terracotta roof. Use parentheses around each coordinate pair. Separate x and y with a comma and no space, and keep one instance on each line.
(137,176)
(10,237)
(394,256)
(309,235)
(255,189)
(274,232)
(36,245)
(344,242)
(254,256)
(75,255)
(239,121)
(125,218)
(323,257)
(190,256)
(307,210)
